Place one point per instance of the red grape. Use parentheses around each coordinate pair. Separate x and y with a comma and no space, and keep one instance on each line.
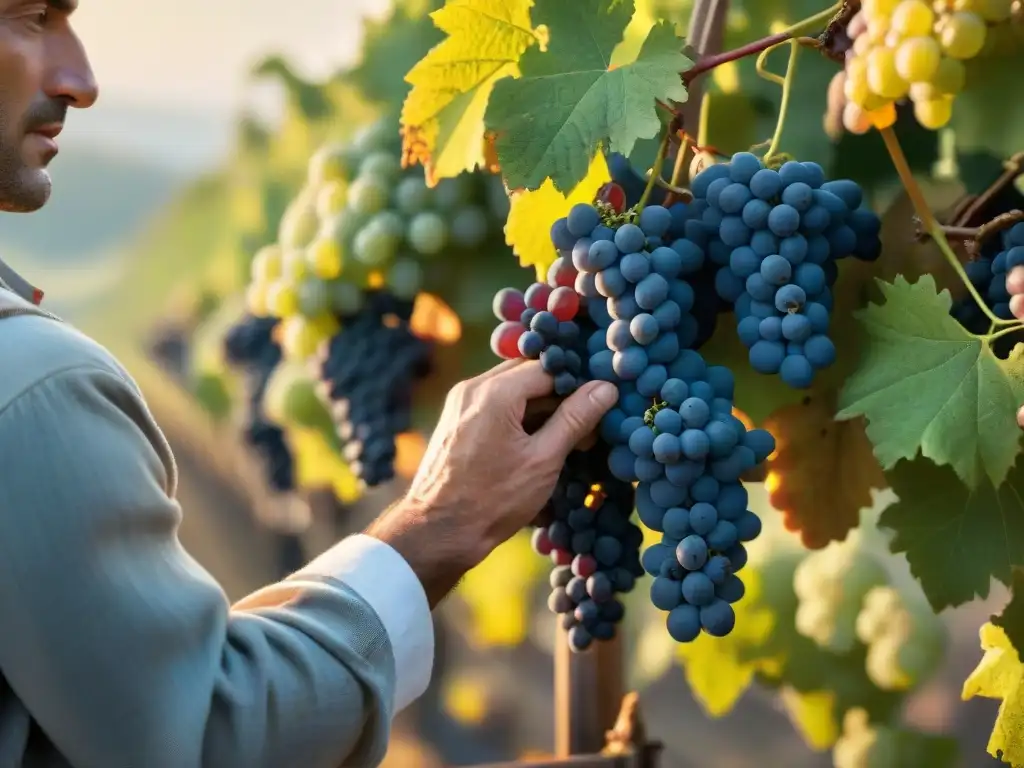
(541,542)
(584,566)
(536,296)
(612,194)
(508,304)
(505,339)
(564,303)
(562,273)
(561,556)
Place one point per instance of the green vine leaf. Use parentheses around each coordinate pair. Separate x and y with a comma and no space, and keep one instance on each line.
(550,121)
(926,384)
(1011,620)
(956,539)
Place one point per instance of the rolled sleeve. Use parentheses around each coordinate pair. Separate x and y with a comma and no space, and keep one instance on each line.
(384,580)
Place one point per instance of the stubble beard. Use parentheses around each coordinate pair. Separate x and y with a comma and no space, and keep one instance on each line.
(22,189)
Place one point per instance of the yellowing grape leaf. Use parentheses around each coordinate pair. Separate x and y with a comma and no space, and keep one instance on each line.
(822,472)
(926,384)
(1011,620)
(528,229)
(567,101)
(443,115)
(496,593)
(1000,675)
(956,539)
(319,465)
(716,668)
(814,715)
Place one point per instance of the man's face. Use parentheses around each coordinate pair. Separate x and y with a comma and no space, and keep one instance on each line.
(43,71)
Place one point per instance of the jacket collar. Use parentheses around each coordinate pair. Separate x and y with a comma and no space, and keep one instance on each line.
(15,283)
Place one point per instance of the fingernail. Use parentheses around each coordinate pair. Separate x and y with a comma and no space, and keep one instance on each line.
(604,394)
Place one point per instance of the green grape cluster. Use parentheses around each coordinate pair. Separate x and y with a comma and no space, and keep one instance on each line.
(362,222)
(913,49)
(905,640)
(830,585)
(867,744)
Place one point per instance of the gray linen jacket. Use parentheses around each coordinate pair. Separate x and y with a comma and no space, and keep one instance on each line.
(117,649)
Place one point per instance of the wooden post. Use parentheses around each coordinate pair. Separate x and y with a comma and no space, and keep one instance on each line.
(588,695)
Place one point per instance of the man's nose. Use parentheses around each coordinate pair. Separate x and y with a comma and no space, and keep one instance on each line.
(71,78)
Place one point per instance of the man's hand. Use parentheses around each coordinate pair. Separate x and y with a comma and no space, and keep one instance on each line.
(1015,285)
(483,476)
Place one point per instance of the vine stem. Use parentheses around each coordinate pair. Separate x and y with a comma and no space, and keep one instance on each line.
(931,225)
(1015,328)
(760,46)
(787,90)
(659,161)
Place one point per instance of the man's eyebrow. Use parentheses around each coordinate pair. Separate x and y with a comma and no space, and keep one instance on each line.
(65,6)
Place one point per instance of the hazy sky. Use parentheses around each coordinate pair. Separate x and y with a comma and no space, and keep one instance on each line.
(195,52)
(190,59)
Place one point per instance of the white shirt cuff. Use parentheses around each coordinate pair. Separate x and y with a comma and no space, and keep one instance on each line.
(382,577)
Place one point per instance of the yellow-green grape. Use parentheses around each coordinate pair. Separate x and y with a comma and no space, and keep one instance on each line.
(300,222)
(282,299)
(874,9)
(877,30)
(376,243)
(405,278)
(882,75)
(469,227)
(256,299)
(950,76)
(331,199)
(905,639)
(856,88)
(325,258)
(293,265)
(267,264)
(913,18)
(368,195)
(855,746)
(412,195)
(375,137)
(862,46)
(830,585)
(877,607)
(934,113)
(381,165)
(855,119)
(329,163)
(963,35)
(346,297)
(299,339)
(314,297)
(992,11)
(917,59)
(428,233)
(290,397)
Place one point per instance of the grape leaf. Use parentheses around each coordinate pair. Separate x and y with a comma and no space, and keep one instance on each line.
(924,383)
(443,115)
(390,48)
(720,669)
(1000,675)
(813,714)
(496,592)
(550,121)
(528,229)
(956,539)
(822,472)
(1011,620)
(318,464)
